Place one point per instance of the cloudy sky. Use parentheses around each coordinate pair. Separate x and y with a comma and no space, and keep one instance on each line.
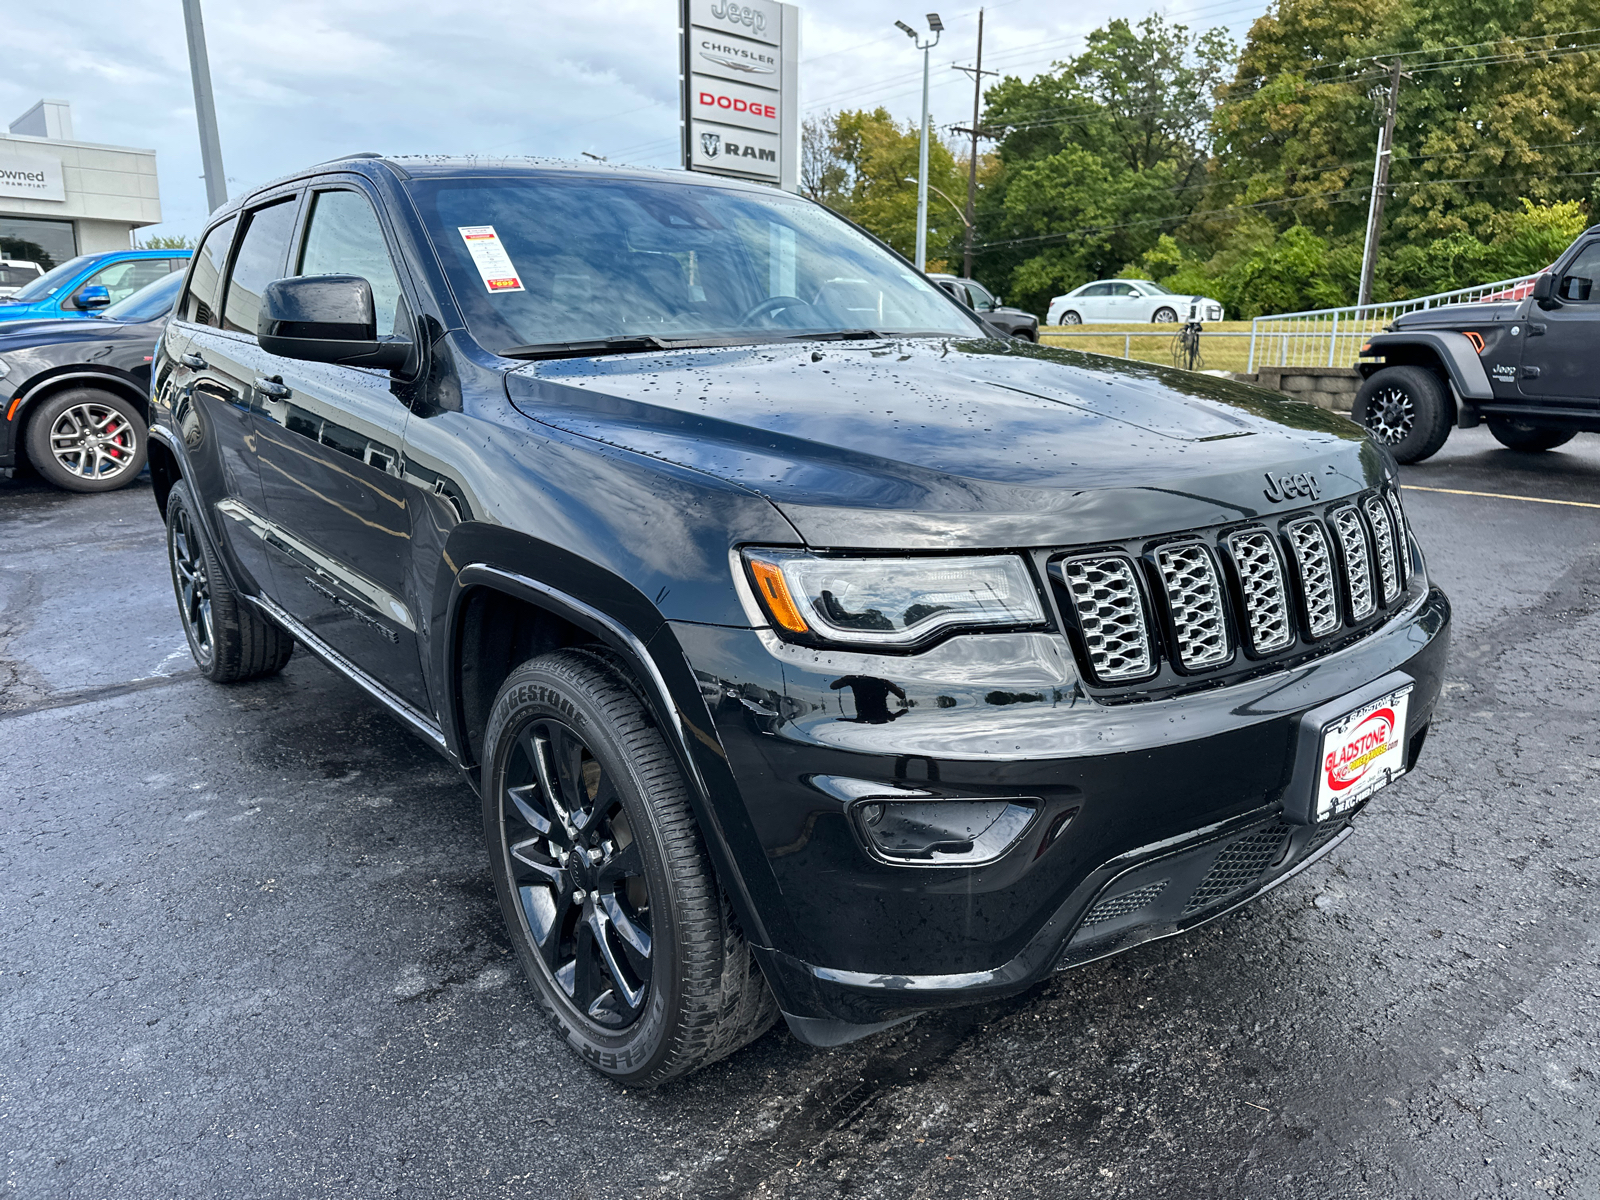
(298,82)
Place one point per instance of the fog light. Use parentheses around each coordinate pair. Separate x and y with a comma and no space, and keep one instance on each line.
(945,833)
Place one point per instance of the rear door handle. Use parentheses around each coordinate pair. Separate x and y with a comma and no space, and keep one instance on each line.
(194,361)
(273,387)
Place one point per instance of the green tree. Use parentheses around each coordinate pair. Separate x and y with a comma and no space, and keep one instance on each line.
(1098,155)
(858,163)
(165,241)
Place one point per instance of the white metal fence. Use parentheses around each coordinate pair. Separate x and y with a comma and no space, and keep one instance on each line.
(1332,337)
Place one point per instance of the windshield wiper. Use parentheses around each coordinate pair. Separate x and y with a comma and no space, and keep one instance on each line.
(631,343)
(834,335)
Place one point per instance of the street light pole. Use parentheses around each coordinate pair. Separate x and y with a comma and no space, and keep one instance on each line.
(937,26)
(205,109)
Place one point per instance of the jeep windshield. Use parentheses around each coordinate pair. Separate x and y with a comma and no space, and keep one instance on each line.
(546,266)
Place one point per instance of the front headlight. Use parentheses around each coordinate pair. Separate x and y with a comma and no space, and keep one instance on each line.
(894,602)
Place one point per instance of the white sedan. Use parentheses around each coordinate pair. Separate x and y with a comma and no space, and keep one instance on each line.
(1127,301)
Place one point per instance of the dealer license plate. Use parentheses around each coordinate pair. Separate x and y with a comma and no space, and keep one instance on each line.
(1362,751)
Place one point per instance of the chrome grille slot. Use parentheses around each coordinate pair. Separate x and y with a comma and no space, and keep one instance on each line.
(1383,538)
(1402,535)
(1265,601)
(1316,575)
(1195,600)
(1110,612)
(1357,568)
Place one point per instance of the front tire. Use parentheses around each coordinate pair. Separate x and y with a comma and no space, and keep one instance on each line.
(1406,410)
(1164,316)
(87,440)
(229,640)
(1519,435)
(603,879)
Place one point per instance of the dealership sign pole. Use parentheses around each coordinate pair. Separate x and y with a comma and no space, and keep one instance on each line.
(740,72)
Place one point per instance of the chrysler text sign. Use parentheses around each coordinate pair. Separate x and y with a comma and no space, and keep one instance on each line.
(740,89)
(31,178)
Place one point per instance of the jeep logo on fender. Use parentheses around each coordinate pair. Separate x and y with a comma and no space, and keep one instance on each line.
(1284,487)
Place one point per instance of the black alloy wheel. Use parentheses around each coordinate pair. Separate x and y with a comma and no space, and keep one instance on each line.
(609,898)
(1530,439)
(1165,315)
(1406,410)
(192,583)
(229,639)
(87,440)
(578,872)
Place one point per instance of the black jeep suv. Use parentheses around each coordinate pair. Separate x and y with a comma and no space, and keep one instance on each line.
(1529,365)
(812,650)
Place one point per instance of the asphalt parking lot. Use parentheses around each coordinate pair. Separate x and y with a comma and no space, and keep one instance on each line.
(252,950)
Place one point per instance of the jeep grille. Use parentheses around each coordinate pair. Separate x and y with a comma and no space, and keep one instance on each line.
(1279,592)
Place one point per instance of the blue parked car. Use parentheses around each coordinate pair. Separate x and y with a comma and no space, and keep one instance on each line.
(84,285)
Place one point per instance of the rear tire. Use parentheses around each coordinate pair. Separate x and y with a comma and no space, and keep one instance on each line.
(87,440)
(1071,318)
(1519,435)
(1406,410)
(609,898)
(230,640)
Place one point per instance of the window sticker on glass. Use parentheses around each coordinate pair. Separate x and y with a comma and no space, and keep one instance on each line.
(490,257)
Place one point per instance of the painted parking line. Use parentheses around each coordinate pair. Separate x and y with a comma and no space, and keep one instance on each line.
(1411,487)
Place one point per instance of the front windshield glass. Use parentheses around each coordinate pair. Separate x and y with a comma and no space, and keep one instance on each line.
(51,282)
(149,302)
(1146,285)
(541,260)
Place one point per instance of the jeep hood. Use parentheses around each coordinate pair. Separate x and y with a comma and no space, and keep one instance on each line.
(930,443)
(1459,316)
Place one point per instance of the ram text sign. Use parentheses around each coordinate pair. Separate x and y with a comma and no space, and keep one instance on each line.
(31,178)
(740,78)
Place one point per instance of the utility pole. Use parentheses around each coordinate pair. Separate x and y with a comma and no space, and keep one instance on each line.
(205,109)
(1380,183)
(937,26)
(977,72)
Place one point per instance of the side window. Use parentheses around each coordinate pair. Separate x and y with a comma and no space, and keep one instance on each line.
(1581,276)
(199,303)
(981,300)
(1121,289)
(125,278)
(258,262)
(343,238)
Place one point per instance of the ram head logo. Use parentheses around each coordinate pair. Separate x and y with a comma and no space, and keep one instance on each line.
(711,143)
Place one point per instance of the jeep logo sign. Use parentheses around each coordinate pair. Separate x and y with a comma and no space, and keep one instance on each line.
(740,81)
(1286,487)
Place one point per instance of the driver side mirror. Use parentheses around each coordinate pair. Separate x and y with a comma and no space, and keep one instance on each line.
(92,297)
(1544,291)
(956,292)
(326,318)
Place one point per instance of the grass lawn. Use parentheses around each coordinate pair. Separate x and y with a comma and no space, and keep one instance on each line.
(1153,343)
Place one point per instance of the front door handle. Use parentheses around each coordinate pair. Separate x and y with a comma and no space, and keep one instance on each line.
(273,387)
(194,361)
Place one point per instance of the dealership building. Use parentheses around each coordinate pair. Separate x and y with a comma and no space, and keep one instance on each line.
(60,197)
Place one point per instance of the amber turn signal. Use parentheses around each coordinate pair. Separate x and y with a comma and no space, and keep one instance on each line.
(775,595)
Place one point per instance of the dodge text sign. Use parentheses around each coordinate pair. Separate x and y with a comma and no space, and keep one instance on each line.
(740,89)
(31,178)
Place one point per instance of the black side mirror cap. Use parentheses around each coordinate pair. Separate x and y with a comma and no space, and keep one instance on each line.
(326,318)
(1544,291)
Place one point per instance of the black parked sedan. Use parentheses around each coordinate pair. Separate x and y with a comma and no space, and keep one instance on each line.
(1014,322)
(74,393)
(814,650)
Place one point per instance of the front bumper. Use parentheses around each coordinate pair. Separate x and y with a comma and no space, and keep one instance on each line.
(1187,792)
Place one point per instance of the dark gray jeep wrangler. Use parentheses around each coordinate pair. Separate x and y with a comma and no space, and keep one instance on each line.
(1528,363)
